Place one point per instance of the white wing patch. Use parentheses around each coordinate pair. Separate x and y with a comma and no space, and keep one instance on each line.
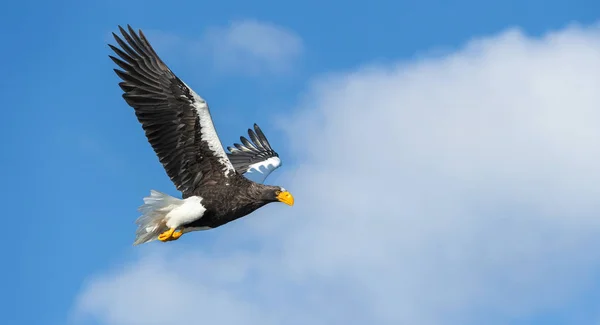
(209,134)
(259,171)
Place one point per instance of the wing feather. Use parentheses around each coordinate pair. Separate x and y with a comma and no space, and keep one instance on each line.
(254,159)
(176,120)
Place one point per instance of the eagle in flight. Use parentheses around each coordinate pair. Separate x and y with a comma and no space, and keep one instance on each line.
(216,187)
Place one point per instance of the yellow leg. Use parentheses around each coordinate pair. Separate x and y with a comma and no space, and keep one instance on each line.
(165,236)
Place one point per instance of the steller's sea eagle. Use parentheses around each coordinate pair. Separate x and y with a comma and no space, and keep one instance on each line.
(216,187)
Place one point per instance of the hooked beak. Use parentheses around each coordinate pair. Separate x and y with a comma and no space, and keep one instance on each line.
(286,197)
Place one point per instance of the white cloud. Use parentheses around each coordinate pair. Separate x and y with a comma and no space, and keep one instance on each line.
(252,47)
(454,190)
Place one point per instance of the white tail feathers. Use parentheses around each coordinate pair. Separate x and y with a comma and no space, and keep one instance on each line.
(152,222)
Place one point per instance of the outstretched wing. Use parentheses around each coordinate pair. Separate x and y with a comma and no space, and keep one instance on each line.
(176,120)
(255,160)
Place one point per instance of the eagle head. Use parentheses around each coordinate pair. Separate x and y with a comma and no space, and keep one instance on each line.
(277,194)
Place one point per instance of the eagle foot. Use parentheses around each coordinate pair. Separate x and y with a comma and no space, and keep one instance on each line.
(170,235)
(176,235)
(165,236)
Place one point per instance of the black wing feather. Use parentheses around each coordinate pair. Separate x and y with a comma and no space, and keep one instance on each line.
(168,111)
(248,153)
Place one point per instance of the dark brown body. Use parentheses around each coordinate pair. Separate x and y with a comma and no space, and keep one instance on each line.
(226,203)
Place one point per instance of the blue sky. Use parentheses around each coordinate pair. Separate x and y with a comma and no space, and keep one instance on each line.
(78,165)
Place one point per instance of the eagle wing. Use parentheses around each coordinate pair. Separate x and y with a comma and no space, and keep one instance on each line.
(176,120)
(255,159)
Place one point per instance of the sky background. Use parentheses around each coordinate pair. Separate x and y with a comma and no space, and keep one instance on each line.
(443,156)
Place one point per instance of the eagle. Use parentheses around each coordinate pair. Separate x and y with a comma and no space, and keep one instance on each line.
(216,187)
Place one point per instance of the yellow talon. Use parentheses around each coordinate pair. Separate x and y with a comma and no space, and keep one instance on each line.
(170,235)
(165,236)
(176,235)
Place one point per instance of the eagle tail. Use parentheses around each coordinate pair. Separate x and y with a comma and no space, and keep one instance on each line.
(152,221)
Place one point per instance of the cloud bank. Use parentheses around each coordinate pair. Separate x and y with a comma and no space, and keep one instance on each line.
(454,190)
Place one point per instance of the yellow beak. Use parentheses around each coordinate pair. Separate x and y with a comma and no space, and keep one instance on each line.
(286,197)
